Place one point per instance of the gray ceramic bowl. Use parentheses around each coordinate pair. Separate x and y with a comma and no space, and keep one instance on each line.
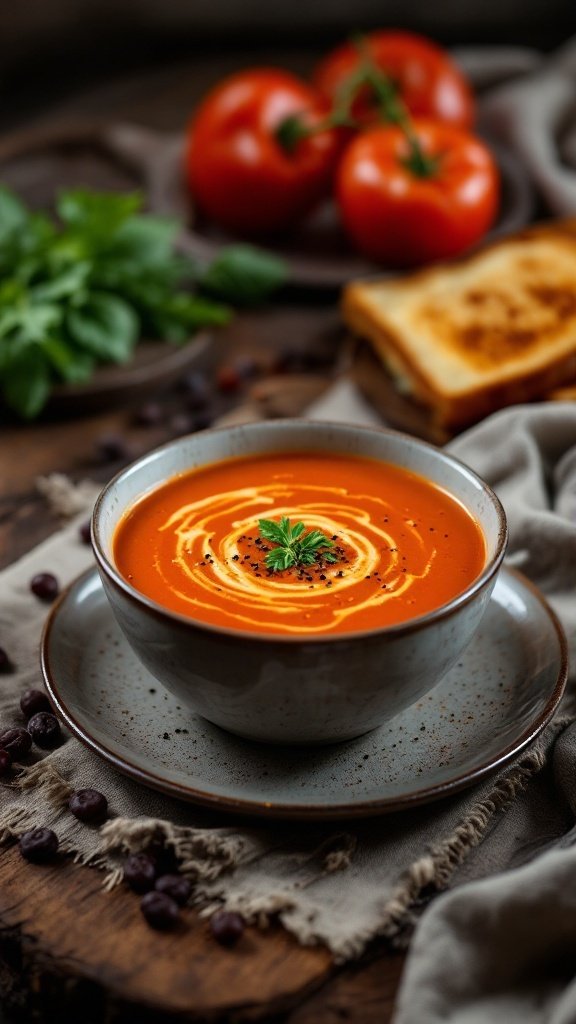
(291,689)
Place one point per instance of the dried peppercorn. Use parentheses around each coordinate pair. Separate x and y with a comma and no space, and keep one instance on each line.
(84,531)
(175,886)
(195,387)
(160,910)
(16,741)
(112,447)
(181,423)
(88,805)
(149,415)
(227,927)
(45,586)
(228,380)
(39,846)
(44,729)
(140,872)
(5,662)
(33,701)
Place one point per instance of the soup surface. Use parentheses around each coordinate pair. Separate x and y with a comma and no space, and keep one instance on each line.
(399,545)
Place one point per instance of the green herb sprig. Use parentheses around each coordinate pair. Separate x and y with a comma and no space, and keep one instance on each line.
(295,547)
(83,289)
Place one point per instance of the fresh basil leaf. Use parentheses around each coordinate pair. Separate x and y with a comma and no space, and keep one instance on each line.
(106,326)
(315,539)
(69,363)
(13,213)
(96,214)
(244,275)
(297,530)
(26,383)
(303,549)
(70,282)
(304,557)
(279,559)
(82,290)
(270,530)
(195,311)
(148,240)
(189,312)
(26,323)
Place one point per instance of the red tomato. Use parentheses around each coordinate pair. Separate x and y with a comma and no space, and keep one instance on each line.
(429,82)
(238,172)
(400,218)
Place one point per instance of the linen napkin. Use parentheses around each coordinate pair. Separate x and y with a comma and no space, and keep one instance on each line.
(338,886)
(533,111)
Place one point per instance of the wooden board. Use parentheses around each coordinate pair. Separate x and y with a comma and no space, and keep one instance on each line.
(70,952)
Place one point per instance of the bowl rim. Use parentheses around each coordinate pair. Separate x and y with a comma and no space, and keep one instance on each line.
(398,629)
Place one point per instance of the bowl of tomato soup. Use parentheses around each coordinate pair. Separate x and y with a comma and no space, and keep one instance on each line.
(295,581)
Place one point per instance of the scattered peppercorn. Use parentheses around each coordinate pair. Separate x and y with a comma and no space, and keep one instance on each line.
(227,927)
(140,872)
(163,857)
(149,415)
(33,701)
(16,741)
(44,729)
(39,846)
(84,531)
(195,386)
(112,447)
(5,762)
(45,586)
(175,886)
(228,380)
(247,367)
(160,910)
(88,805)
(202,420)
(181,423)
(5,663)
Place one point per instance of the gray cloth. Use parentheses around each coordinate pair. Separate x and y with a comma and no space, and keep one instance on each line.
(534,114)
(498,951)
(338,887)
(503,950)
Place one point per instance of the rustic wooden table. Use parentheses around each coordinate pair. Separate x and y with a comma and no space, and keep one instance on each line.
(67,948)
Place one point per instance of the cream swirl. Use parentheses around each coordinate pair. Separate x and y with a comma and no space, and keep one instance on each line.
(206,541)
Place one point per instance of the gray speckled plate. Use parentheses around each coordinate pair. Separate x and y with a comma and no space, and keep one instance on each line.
(493,703)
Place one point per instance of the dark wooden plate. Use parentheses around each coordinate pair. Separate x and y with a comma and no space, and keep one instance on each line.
(318,253)
(116,155)
(154,366)
(37,164)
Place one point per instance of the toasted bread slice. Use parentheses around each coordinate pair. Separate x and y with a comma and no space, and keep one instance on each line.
(492,329)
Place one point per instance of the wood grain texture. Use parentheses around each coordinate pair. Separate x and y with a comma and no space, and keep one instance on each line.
(71,934)
(68,951)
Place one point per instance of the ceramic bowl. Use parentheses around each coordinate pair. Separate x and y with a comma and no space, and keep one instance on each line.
(281,689)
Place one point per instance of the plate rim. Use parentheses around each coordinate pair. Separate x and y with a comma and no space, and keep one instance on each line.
(315,812)
(312,272)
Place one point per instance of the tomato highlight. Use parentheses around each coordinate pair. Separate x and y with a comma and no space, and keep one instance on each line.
(425,77)
(402,218)
(241,171)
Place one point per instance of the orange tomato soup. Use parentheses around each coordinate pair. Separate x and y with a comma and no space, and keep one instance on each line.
(403,546)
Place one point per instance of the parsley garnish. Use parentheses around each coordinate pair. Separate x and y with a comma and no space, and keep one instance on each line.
(295,547)
(83,289)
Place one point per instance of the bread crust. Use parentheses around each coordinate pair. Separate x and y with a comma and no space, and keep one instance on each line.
(548,361)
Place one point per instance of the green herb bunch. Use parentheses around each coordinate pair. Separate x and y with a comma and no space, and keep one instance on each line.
(83,289)
(295,547)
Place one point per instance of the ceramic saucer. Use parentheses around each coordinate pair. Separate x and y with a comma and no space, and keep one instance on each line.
(499,696)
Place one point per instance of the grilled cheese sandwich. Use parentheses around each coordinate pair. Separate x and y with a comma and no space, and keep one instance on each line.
(467,338)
